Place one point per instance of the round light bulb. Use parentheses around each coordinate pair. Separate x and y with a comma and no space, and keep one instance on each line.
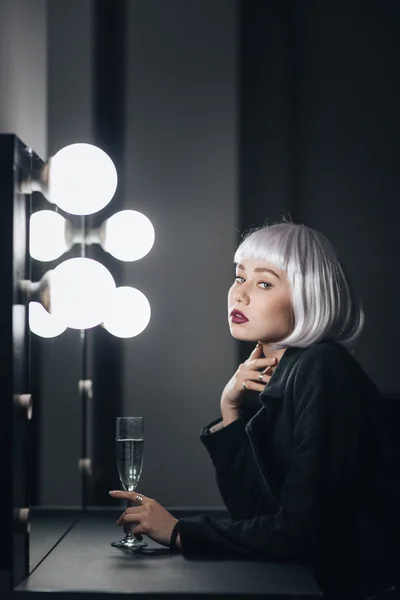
(43,323)
(48,235)
(82,179)
(128,235)
(80,291)
(128,313)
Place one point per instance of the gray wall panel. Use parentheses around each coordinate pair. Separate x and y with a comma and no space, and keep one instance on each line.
(182,173)
(23,78)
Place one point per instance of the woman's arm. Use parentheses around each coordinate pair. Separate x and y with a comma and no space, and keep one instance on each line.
(288,533)
(316,492)
(230,451)
(217,427)
(228,416)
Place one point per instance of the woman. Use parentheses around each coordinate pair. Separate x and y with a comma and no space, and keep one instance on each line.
(299,463)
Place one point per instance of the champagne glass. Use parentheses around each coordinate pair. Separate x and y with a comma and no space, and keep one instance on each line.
(129,455)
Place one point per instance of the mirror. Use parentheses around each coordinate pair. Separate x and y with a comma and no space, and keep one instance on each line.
(56,369)
(41,418)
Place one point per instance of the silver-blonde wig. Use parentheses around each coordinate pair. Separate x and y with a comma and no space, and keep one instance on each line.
(325,303)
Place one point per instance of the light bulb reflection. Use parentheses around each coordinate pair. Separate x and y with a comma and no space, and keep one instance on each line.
(43,323)
(48,235)
(80,292)
(128,235)
(82,179)
(128,313)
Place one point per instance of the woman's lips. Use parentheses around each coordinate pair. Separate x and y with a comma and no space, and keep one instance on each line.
(238,317)
(239,320)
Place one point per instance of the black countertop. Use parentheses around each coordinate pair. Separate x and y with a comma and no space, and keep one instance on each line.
(84,565)
(47,528)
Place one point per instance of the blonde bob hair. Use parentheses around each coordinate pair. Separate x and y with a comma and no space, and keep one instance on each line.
(325,303)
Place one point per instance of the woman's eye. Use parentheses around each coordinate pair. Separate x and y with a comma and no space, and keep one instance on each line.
(266,284)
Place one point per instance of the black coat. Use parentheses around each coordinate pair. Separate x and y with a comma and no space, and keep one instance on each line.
(302,473)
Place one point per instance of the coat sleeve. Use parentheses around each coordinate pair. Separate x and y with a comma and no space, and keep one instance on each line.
(233,459)
(291,532)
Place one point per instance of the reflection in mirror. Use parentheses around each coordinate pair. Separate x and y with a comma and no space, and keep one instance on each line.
(46,380)
(56,369)
(40,413)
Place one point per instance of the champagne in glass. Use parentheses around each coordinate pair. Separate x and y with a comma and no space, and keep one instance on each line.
(129,455)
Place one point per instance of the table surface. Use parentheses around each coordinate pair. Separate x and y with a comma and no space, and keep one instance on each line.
(85,562)
(47,527)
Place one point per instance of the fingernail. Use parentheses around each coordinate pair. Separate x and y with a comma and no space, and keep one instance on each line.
(113,492)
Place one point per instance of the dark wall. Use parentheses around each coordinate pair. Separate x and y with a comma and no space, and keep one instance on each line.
(348,152)
(104,351)
(320,140)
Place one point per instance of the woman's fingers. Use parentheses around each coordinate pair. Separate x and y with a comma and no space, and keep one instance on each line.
(262,363)
(256,353)
(130,518)
(248,375)
(133,510)
(256,387)
(262,375)
(256,380)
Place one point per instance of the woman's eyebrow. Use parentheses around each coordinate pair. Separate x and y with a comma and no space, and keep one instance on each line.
(260,270)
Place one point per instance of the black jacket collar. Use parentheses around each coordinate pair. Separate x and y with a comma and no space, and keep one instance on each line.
(276,385)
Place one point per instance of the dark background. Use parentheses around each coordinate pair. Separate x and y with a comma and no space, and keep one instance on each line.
(219,115)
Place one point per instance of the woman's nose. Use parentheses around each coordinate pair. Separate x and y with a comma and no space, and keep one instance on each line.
(241,295)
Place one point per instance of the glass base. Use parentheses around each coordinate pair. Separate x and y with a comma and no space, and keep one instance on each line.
(130,543)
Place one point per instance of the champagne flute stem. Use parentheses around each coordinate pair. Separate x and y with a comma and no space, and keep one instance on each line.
(127,526)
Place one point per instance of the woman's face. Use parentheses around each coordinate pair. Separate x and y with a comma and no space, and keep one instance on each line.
(264,299)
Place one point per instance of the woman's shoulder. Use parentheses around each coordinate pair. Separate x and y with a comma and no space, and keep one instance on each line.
(329,353)
(332,361)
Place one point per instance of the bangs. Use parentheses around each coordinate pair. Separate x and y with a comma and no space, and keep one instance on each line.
(273,244)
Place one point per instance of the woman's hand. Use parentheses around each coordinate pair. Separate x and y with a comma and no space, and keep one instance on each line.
(247,377)
(152,518)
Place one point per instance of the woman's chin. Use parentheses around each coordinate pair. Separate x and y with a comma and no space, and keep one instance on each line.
(241,335)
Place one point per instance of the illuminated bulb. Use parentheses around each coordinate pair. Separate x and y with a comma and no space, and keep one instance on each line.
(43,323)
(128,235)
(80,291)
(50,235)
(82,179)
(128,313)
